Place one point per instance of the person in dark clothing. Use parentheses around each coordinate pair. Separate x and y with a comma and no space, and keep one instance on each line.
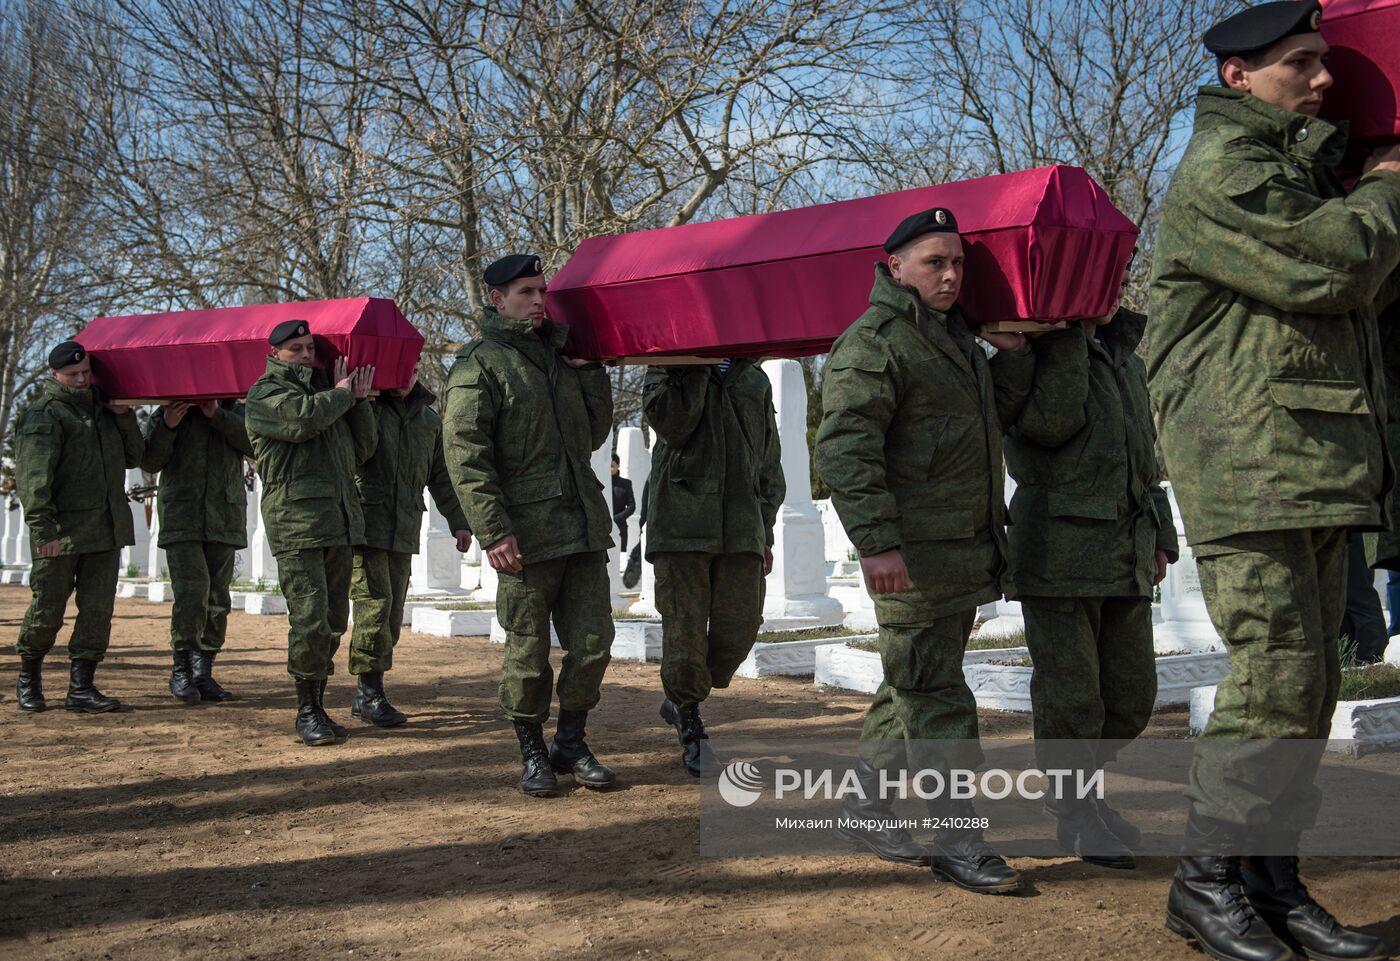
(624,505)
(1363,622)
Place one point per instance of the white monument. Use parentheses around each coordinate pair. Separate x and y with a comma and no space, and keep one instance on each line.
(262,566)
(155,555)
(797,585)
(634,463)
(437,567)
(136,558)
(1185,624)
(602,469)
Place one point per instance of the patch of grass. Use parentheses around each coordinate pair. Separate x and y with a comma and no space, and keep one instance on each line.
(1012,662)
(993,642)
(808,634)
(466,606)
(1370,682)
(629,616)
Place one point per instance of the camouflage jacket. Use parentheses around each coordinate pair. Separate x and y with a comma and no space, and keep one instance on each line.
(910,445)
(1264,359)
(202,496)
(407,459)
(1089,512)
(716,470)
(1383,548)
(308,440)
(71,459)
(521,428)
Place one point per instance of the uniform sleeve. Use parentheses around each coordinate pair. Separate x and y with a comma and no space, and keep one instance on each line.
(1272,239)
(597,402)
(1055,409)
(133,444)
(673,399)
(228,421)
(1013,372)
(295,418)
(858,404)
(38,446)
(160,444)
(468,448)
(441,487)
(772,486)
(364,429)
(1166,530)
(629,504)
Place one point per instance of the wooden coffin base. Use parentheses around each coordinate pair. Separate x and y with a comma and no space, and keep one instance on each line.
(1017,327)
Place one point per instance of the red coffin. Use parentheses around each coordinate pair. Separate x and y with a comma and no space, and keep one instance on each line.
(201,354)
(1043,244)
(1365,64)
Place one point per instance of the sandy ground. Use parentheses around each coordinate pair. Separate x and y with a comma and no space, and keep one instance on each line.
(173,831)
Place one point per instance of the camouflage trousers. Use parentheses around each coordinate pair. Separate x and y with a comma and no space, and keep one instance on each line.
(200,573)
(316,586)
(711,608)
(1095,677)
(378,587)
(52,580)
(1276,598)
(574,592)
(924,714)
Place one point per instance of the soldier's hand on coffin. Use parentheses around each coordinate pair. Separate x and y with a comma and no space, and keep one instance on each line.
(1162,561)
(576,362)
(886,573)
(464,540)
(1383,158)
(504,555)
(342,375)
(51,549)
(174,413)
(1004,341)
(207,407)
(117,408)
(767,561)
(361,381)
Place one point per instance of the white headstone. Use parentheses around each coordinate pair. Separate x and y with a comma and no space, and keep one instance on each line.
(136,558)
(263,565)
(602,469)
(22,544)
(470,567)
(11,526)
(437,567)
(634,463)
(797,586)
(645,605)
(1185,623)
(155,556)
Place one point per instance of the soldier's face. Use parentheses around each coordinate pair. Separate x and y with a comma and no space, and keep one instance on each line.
(521,299)
(1291,74)
(298,350)
(932,265)
(78,376)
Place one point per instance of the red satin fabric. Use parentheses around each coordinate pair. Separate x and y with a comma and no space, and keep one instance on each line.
(1365,64)
(203,354)
(1043,244)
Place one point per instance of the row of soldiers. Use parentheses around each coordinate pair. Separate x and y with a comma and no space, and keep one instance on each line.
(1265,368)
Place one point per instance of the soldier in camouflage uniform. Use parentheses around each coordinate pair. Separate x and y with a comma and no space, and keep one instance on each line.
(910,445)
(407,458)
(1091,535)
(522,422)
(203,506)
(309,437)
(1265,369)
(717,474)
(72,451)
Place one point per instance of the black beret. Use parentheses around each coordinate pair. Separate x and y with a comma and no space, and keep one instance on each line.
(286,330)
(937,220)
(68,352)
(1263,26)
(507,269)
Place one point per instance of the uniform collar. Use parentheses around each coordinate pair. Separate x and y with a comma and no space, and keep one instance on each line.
(86,397)
(1311,140)
(495,326)
(281,370)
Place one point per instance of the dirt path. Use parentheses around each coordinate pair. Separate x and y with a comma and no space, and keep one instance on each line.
(169,831)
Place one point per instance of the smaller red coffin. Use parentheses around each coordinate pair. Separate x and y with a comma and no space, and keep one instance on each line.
(1365,64)
(1043,244)
(202,354)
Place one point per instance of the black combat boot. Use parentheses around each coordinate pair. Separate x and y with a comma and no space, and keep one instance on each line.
(696,754)
(1082,832)
(83,695)
(181,680)
(202,666)
(1277,892)
(1207,903)
(29,685)
(866,822)
(536,777)
(340,731)
(1119,826)
(569,754)
(312,726)
(962,855)
(372,704)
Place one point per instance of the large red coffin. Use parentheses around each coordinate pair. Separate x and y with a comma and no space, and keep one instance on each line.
(201,354)
(1044,244)
(1365,64)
